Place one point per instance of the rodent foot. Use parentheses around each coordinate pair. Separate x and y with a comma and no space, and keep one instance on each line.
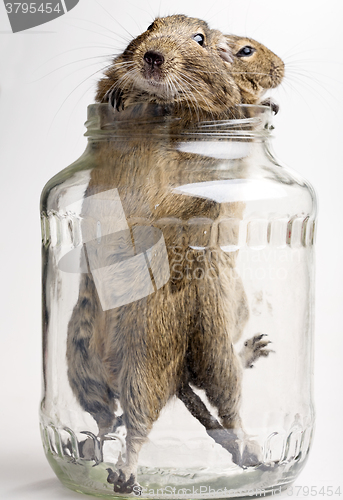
(119,481)
(115,98)
(229,440)
(253,349)
(244,452)
(273,105)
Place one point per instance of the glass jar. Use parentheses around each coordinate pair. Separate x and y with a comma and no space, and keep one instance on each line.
(177,310)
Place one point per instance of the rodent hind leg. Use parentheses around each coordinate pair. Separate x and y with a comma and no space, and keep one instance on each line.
(92,448)
(227,438)
(86,372)
(215,368)
(124,479)
(141,400)
(197,407)
(100,402)
(103,413)
(214,429)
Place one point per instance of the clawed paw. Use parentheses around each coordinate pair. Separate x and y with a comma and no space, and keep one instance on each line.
(253,349)
(115,97)
(119,481)
(272,104)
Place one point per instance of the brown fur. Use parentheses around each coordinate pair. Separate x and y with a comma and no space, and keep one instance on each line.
(255,73)
(195,80)
(147,351)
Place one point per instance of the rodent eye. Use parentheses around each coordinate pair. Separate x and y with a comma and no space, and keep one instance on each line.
(199,38)
(246,51)
(150,27)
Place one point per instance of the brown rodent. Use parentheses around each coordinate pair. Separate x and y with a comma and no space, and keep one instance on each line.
(201,77)
(255,69)
(147,351)
(177,61)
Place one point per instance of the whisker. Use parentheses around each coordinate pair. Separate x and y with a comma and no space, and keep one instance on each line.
(194,101)
(307,74)
(183,93)
(131,78)
(74,90)
(308,81)
(121,81)
(73,63)
(206,100)
(75,49)
(287,53)
(95,32)
(115,20)
(97,24)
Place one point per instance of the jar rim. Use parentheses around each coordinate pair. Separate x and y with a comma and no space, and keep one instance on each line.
(104,121)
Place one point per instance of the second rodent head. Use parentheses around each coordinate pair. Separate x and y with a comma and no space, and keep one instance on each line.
(255,68)
(177,61)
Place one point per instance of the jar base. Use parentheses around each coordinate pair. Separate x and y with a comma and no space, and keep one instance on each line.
(87,477)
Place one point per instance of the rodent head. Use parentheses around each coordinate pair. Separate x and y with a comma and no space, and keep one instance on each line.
(178,60)
(255,68)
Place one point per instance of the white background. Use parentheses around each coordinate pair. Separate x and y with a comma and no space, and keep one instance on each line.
(46,82)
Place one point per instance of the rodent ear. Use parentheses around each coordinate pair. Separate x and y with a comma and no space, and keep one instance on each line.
(224,50)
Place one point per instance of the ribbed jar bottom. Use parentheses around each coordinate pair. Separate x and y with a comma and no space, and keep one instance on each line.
(90,476)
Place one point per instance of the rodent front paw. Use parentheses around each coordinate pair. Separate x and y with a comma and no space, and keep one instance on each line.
(272,104)
(253,349)
(115,98)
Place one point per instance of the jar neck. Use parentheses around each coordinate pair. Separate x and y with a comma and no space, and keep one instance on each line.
(150,122)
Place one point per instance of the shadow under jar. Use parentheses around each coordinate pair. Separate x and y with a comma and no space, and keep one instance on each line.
(177,309)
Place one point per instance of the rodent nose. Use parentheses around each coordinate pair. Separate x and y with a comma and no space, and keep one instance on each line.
(153,58)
